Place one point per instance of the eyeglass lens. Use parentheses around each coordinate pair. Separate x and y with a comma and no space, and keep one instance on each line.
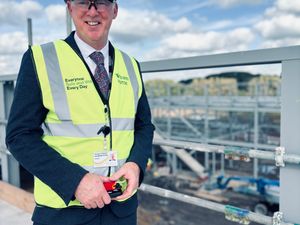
(87,4)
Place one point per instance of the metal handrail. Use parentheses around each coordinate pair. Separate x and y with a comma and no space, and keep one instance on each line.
(254,217)
(252,153)
(253,57)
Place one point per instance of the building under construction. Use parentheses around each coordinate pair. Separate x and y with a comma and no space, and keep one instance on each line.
(218,156)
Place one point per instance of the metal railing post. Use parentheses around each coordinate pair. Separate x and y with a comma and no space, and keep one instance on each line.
(3,155)
(290,130)
(29,31)
(256,130)
(10,166)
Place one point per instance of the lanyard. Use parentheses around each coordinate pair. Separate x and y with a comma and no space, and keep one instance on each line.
(106,128)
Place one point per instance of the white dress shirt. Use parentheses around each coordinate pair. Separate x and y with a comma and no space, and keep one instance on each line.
(86,50)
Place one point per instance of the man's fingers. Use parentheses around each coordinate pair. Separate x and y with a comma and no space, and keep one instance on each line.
(106,199)
(94,205)
(117,175)
(91,205)
(105,179)
(100,203)
(87,206)
(131,187)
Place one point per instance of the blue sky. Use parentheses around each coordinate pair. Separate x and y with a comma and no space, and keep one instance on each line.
(156,29)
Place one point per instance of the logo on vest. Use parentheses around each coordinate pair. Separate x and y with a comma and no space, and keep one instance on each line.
(77,83)
(122,79)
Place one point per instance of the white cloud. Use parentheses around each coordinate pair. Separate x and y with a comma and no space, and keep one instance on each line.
(133,26)
(12,46)
(56,13)
(13,43)
(279,27)
(280,24)
(288,5)
(281,42)
(187,44)
(15,13)
(9,64)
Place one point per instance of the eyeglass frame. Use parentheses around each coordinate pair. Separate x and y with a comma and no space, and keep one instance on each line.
(92,3)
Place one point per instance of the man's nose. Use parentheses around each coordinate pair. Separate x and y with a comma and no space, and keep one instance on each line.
(92,8)
(92,3)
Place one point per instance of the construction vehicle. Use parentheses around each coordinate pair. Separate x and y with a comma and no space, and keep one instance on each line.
(265,190)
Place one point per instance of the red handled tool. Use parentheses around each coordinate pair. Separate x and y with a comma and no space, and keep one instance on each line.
(113,188)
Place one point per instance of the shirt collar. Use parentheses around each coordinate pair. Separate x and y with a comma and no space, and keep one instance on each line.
(86,50)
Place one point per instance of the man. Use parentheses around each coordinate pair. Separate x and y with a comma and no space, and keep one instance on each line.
(78,121)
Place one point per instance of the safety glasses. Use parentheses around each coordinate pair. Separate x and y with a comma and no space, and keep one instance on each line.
(87,4)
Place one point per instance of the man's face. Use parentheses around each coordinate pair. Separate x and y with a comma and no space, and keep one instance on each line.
(92,25)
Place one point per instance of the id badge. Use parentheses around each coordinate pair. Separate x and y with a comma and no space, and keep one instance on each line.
(105,159)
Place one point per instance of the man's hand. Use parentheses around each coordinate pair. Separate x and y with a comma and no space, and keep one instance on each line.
(91,192)
(131,172)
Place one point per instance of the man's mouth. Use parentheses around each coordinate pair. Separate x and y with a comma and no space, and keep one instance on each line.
(92,23)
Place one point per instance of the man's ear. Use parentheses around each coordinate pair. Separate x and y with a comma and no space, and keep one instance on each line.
(69,6)
(116,9)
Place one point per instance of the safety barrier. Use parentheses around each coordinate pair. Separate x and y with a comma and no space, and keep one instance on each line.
(231,213)
(234,152)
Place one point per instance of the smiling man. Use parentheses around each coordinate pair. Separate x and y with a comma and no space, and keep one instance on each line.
(87,132)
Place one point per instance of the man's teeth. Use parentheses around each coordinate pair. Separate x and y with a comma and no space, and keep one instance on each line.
(93,23)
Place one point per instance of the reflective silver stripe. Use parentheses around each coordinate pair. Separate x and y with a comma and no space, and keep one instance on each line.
(133,77)
(68,129)
(122,123)
(103,171)
(56,82)
(46,129)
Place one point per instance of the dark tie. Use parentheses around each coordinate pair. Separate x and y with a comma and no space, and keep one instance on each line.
(100,74)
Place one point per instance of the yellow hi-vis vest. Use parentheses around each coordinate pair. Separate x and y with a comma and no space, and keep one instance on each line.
(76,111)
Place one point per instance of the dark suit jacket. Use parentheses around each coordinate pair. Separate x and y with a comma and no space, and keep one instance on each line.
(24,141)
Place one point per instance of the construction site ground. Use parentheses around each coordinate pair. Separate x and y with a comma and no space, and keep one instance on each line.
(156,210)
